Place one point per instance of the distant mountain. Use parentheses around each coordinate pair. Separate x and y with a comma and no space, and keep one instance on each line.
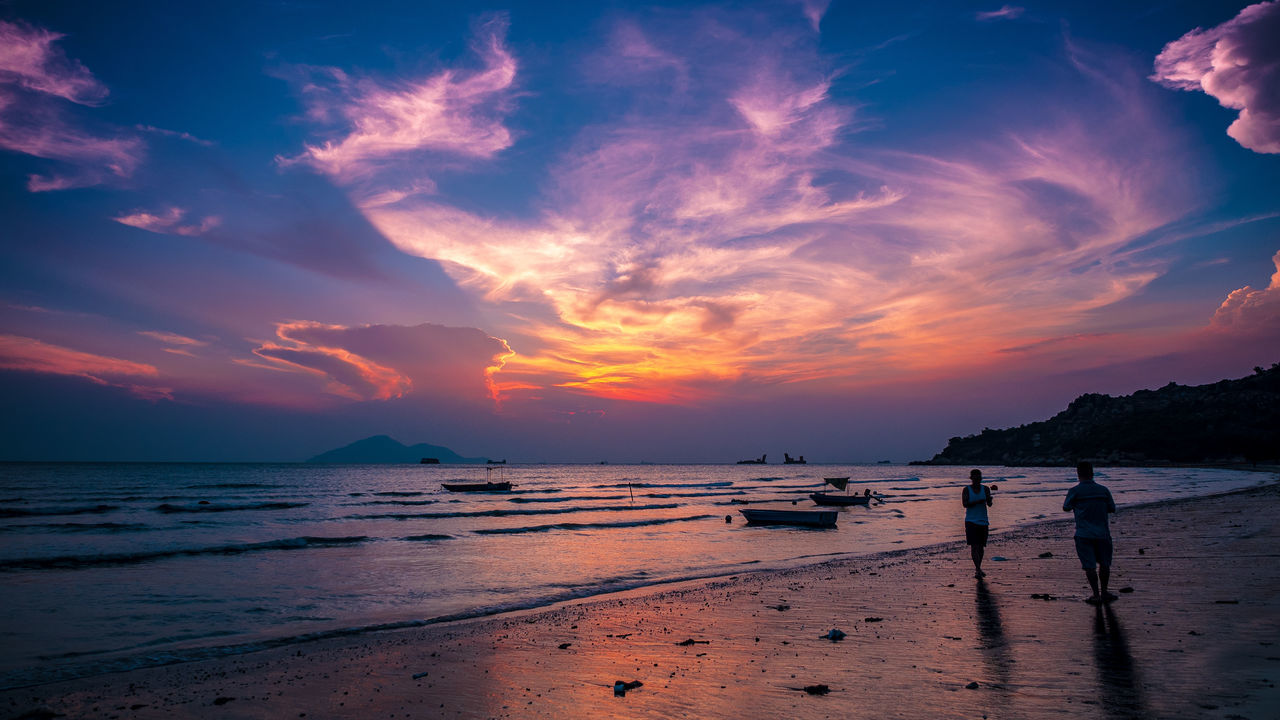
(1230,421)
(383,449)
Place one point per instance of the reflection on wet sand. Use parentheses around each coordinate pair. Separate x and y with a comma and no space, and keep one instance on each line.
(1119,690)
(995,647)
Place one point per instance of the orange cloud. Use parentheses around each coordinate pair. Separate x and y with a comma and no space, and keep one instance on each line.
(31,355)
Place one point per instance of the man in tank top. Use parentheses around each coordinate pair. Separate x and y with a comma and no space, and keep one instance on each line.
(976,499)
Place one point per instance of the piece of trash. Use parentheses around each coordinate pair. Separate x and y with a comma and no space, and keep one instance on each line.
(1226,602)
(420,675)
(728,518)
(834,635)
(779,608)
(564,645)
(691,641)
(1126,589)
(620,688)
(971,686)
(999,558)
(1142,551)
(1046,554)
(872,619)
(817,689)
(1042,596)
(1193,632)
(223,700)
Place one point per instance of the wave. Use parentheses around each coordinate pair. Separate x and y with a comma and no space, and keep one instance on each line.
(79,527)
(588,526)
(53,511)
(232,485)
(210,507)
(425,538)
(566,498)
(396,502)
(505,512)
(75,562)
(398,493)
(694,494)
(725,483)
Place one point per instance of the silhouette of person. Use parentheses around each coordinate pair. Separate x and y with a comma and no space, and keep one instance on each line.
(976,499)
(1120,687)
(1091,503)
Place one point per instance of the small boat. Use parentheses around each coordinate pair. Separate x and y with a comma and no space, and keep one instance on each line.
(758,461)
(429,461)
(804,518)
(477,487)
(788,460)
(840,500)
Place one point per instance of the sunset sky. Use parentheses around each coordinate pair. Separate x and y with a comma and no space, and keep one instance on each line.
(621,231)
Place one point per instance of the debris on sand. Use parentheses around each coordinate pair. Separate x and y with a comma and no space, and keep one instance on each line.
(1126,589)
(1046,554)
(620,687)
(419,676)
(222,700)
(971,686)
(779,608)
(834,635)
(564,646)
(872,619)
(816,689)
(1042,596)
(691,641)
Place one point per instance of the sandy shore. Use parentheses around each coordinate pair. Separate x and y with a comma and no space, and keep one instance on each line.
(1196,635)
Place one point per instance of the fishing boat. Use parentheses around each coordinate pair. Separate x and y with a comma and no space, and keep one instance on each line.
(803,518)
(477,487)
(846,500)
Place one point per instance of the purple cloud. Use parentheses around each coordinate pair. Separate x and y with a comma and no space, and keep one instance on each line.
(453,112)
(1006,12)
(168,222)
(34,77)
(1238,64)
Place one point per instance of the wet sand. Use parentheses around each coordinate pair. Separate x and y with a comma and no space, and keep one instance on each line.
(1198,635)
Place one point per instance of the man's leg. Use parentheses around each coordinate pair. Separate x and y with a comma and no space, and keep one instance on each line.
(976,552)
(1093,581)
(1104,577)
(1085,550)
(1104,552)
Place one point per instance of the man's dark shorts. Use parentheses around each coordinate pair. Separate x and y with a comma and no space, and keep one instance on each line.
(975,534)
(1094,552)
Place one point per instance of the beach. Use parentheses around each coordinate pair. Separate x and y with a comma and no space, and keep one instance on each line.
(1194,634)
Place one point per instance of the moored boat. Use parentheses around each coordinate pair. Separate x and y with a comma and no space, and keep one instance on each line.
(803,518)
(840,500)
(477,487)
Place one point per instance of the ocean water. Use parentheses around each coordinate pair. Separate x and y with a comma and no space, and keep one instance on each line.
(112,566)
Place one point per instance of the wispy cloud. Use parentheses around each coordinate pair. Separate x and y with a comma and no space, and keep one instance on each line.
(453,112)
(174,134)
(168,222)
(1238,64)
(1006,12)
(35,76)
(173,338)
(31,355)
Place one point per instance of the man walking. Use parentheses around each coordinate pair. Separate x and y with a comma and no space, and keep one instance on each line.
(1091,503)
(976,499)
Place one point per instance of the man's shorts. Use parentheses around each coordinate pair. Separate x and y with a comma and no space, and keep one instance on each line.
(1094,552)
(975,534)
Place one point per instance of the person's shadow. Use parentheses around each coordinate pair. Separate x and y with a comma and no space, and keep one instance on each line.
(1119,689)
(995,647)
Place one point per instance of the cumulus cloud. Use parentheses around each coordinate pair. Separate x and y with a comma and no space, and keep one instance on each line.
(35,77)
(451,113)
(381,362)
(1238,64)
(1251,311)
(168,222)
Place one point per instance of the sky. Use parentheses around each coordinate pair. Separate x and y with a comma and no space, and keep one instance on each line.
(619,231)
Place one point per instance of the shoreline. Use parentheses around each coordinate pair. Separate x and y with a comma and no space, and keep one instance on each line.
(619,610)
(249,647)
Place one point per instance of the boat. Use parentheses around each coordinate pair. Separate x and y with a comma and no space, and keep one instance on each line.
(477,487)
(429,461)
(840,483)
(758,461)
(840,500)
(803,518)
(788,460)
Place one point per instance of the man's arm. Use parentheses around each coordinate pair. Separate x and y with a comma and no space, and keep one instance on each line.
(1111,503)
(1070,502)
(989,498)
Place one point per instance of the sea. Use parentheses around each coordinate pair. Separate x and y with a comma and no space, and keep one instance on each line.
(107,567)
